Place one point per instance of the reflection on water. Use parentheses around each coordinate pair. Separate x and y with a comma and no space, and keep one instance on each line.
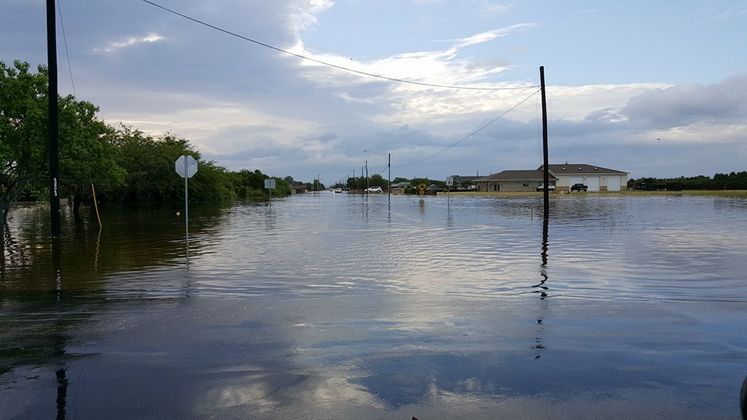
(339,306)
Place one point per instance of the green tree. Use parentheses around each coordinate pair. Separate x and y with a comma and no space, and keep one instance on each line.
(23,128)
(377,180)
(149,164)
(86,151)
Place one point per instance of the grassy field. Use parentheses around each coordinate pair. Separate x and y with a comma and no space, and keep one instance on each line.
(713,193)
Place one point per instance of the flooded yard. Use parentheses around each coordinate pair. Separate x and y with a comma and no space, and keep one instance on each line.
(346,306)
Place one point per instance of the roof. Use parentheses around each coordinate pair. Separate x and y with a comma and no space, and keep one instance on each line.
(579,168)
(464,178)
(516,175)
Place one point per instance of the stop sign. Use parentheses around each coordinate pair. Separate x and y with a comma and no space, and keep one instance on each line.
(186,166)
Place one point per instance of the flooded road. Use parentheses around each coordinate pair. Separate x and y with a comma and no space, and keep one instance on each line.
(342,306)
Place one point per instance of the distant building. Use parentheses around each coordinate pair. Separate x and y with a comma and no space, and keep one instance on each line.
(461,181)
(594,177)
(298,187)
(400,187)
(512,180)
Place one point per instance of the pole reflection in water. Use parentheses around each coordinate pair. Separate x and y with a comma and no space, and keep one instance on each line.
(541,287)
(59,339)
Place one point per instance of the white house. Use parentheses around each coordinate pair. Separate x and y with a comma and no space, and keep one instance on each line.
(512,180)
(594,177)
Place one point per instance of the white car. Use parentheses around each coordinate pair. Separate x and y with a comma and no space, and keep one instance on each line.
(375,190)
(541,187)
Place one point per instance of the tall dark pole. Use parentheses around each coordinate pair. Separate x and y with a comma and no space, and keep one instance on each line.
(545,165)
(54,146)
(389,178)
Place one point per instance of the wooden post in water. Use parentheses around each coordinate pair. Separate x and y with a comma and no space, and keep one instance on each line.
(545,159)
(54,145)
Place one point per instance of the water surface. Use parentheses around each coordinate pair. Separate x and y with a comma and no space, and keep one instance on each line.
(342,306)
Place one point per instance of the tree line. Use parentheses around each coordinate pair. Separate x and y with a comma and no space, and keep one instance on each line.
(730,181)
(376,180)
(126,165)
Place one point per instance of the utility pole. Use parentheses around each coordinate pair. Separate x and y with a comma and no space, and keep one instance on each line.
(367,175)
(545,165)
(54,145)
(389,178)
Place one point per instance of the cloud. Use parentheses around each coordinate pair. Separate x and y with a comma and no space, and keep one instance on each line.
(129,42)
(690,104)
(491,35)
(490,9)
(732,12)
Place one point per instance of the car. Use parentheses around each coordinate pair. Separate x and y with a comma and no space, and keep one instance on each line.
(541,187)
(375,190)
(579,187)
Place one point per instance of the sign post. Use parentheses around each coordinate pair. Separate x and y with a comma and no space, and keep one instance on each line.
(186,167)
(449,184)
(269,186)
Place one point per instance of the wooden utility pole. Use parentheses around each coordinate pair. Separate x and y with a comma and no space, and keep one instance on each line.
(545,159)
(54,145)
(389,178)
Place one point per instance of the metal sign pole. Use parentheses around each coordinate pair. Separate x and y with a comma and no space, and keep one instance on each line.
(186,208)
(186,167)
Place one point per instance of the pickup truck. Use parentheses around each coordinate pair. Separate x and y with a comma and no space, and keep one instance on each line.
(579,187)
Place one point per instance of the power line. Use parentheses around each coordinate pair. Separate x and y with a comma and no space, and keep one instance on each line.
(328,64)
(470,134)
(67,52)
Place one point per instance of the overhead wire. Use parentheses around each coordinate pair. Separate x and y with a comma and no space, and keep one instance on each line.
(328,64)
(67,51)
(482,127)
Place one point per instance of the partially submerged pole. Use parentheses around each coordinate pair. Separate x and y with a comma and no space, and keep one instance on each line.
(54,145)
(545,165)
(389,178)
(186,207)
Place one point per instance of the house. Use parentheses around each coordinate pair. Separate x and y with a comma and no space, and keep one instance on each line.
(400,187)
(594,177)
(512,180)
(298,187)
(463,183)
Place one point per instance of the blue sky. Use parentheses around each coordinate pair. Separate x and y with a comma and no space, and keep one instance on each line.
(652,88)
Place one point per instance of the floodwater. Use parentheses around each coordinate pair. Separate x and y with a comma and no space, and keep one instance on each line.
(342,306)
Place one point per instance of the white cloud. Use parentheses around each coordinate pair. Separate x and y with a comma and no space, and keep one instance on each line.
(491,35)
(129,42)
(490,9)
(303,13)
(215,127)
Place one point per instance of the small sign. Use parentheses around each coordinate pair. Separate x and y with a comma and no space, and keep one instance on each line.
(270,183)
(186,166)
(450,181)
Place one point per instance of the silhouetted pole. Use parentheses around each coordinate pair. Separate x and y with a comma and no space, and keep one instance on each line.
(54,146)
(545,165)
(389,178)
(367,186)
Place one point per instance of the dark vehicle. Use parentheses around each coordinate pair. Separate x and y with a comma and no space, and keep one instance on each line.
(579,187)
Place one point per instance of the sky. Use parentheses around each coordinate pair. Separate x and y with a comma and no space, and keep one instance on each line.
(651,88)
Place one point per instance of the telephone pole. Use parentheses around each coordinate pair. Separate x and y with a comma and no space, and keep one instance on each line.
(545,165)
(54,145)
